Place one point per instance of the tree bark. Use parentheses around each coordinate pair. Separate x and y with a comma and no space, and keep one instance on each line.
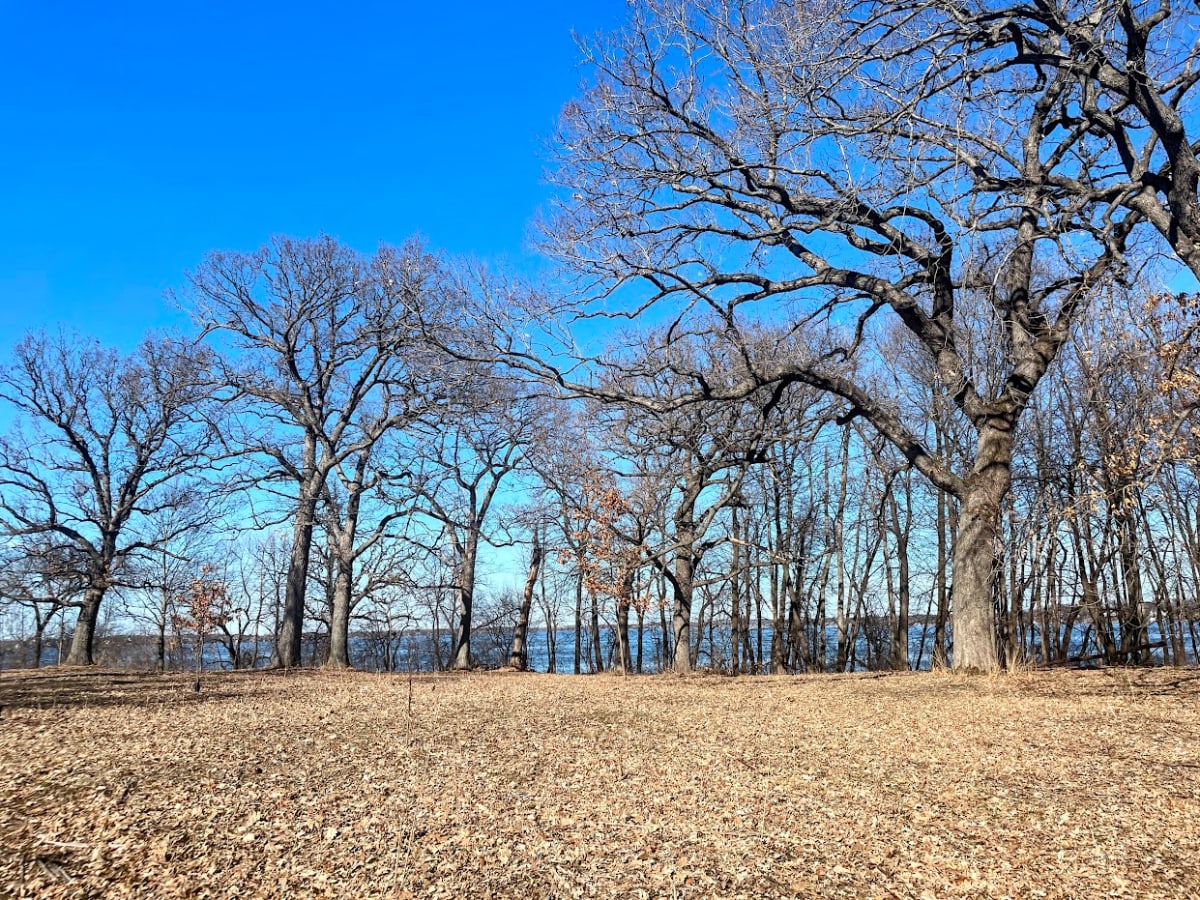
(594,629)
(681,618)
(975,552)
(550,613)
(1134,634)
(339,620)
(461,659)
(839,540)
(84,638)
(663,629)
(623,662)
(899,656)
(579,620)
(39,638)
(641,630)
(940,658)
(161,645)
(345,535)
(518,657)
(735,584)
(777,581)
(291,628)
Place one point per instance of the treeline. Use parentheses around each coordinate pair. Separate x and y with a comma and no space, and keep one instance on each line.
(752,537)
(860,316)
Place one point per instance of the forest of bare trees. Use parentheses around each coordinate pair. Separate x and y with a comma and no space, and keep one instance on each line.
(868,344)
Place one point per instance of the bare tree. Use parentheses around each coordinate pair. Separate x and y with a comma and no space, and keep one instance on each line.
(103,445)
(41,578)
(518,656)
(785,161)
(564,460)
(697,454)
(157,576)
(457,460)
(322,340)
(1117,80)
(353,532)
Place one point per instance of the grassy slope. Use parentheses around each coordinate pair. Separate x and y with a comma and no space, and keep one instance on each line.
(502,785)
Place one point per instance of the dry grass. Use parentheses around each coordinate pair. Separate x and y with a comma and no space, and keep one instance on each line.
(1078,785)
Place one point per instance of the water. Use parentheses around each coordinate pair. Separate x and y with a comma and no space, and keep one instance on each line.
(415,651)
(422,651)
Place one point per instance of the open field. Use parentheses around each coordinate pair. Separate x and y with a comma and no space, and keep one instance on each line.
(1063,784)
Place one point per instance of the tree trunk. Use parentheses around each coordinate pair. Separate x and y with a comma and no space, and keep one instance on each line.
(579,620)
(801,653)
(518,657)
(551,616)
(777,583)
(663,629)
(641,628)
(39,636)
(343,536)
(461,659)
(940,659)
(339,620)
(899,658)
(681,618)
(84,638)
(839,535)
(1134,634)
(594,630)
(291,628)
(975,551)
(820,632)
(623,662)
(161,646)
(735,612)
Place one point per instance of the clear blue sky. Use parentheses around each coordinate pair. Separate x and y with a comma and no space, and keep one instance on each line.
(134,137)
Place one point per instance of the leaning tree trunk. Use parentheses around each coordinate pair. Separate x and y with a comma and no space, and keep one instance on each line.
(518,657)
(84,638)
(975,552)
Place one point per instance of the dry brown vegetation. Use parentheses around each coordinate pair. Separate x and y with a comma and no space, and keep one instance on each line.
(505,785)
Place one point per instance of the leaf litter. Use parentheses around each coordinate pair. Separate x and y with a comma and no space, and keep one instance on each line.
(490,785)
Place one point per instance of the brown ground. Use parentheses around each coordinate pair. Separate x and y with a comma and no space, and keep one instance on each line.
(1074,785)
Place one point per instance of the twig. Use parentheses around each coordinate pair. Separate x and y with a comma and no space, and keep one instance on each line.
(66,845)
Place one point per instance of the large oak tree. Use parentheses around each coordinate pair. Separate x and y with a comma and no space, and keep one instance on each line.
(834,167)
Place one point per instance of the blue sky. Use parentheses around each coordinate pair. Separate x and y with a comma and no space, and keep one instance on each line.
(135,137)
